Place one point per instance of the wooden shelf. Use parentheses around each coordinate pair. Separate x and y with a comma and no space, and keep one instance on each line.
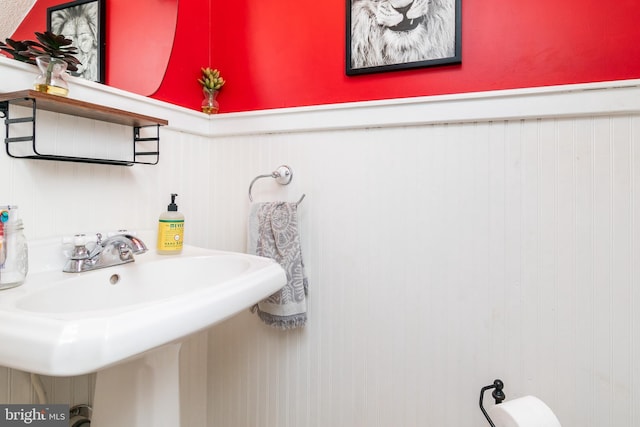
(74,107)
(42,101)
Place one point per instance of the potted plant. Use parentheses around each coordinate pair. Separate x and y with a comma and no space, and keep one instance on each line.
(211,83)
(52,53)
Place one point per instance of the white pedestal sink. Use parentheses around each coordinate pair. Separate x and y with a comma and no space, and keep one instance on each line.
(141,392)
(126,322)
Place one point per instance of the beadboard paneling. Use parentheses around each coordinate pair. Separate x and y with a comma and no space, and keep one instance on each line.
(441,257)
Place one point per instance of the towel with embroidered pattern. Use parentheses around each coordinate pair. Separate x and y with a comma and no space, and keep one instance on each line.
(273,233)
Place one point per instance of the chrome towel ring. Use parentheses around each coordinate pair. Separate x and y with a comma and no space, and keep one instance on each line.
(283,176)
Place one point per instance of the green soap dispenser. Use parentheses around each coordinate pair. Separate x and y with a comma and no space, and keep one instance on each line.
(171,229)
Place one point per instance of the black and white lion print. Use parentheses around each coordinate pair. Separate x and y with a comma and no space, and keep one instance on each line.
(386,32)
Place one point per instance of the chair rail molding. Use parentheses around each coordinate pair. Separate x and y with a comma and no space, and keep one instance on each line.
(588,99)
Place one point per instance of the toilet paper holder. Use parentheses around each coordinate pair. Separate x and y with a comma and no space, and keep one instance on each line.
(497,394)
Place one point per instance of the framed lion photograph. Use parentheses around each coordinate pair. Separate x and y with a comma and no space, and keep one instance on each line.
(82,21)
(387,35)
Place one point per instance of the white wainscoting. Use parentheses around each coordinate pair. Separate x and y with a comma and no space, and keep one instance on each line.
(442,256)
(448,241)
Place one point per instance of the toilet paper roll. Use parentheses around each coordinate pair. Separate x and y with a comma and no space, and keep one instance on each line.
(527,411)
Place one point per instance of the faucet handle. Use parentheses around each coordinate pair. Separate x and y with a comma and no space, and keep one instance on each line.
(80,249)
(79,240)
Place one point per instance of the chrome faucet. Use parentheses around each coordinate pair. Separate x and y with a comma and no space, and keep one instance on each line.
(114,250)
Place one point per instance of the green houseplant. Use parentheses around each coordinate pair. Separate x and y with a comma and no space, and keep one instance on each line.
(52,53)
(211,82)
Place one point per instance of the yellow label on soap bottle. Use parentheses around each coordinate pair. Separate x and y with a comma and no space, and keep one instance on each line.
(170,235)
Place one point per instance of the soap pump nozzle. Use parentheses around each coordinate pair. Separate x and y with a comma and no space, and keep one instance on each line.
(172,206)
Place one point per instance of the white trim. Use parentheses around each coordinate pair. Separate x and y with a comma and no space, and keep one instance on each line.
(591,99)
(588,99)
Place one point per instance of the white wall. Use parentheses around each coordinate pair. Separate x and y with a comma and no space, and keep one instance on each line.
(444,255)
(448,241)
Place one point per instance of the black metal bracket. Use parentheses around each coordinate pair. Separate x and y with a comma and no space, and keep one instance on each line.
(4,109)
(32,151)
(497,394)
(138,139)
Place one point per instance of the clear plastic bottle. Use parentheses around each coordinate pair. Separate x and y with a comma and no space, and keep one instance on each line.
(14,253)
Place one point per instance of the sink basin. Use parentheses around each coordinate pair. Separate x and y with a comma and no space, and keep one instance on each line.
(66,324)
(130,286)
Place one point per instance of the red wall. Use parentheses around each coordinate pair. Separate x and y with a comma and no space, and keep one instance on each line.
(274,55)
(280,53)
(190,52)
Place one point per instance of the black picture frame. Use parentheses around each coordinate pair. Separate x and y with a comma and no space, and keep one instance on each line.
(373,47)
(82,21)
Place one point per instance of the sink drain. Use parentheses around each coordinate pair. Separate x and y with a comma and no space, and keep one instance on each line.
(115,278)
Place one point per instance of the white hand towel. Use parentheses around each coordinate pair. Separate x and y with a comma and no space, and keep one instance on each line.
(273,233)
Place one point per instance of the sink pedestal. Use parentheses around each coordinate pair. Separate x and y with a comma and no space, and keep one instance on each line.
(144,391)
